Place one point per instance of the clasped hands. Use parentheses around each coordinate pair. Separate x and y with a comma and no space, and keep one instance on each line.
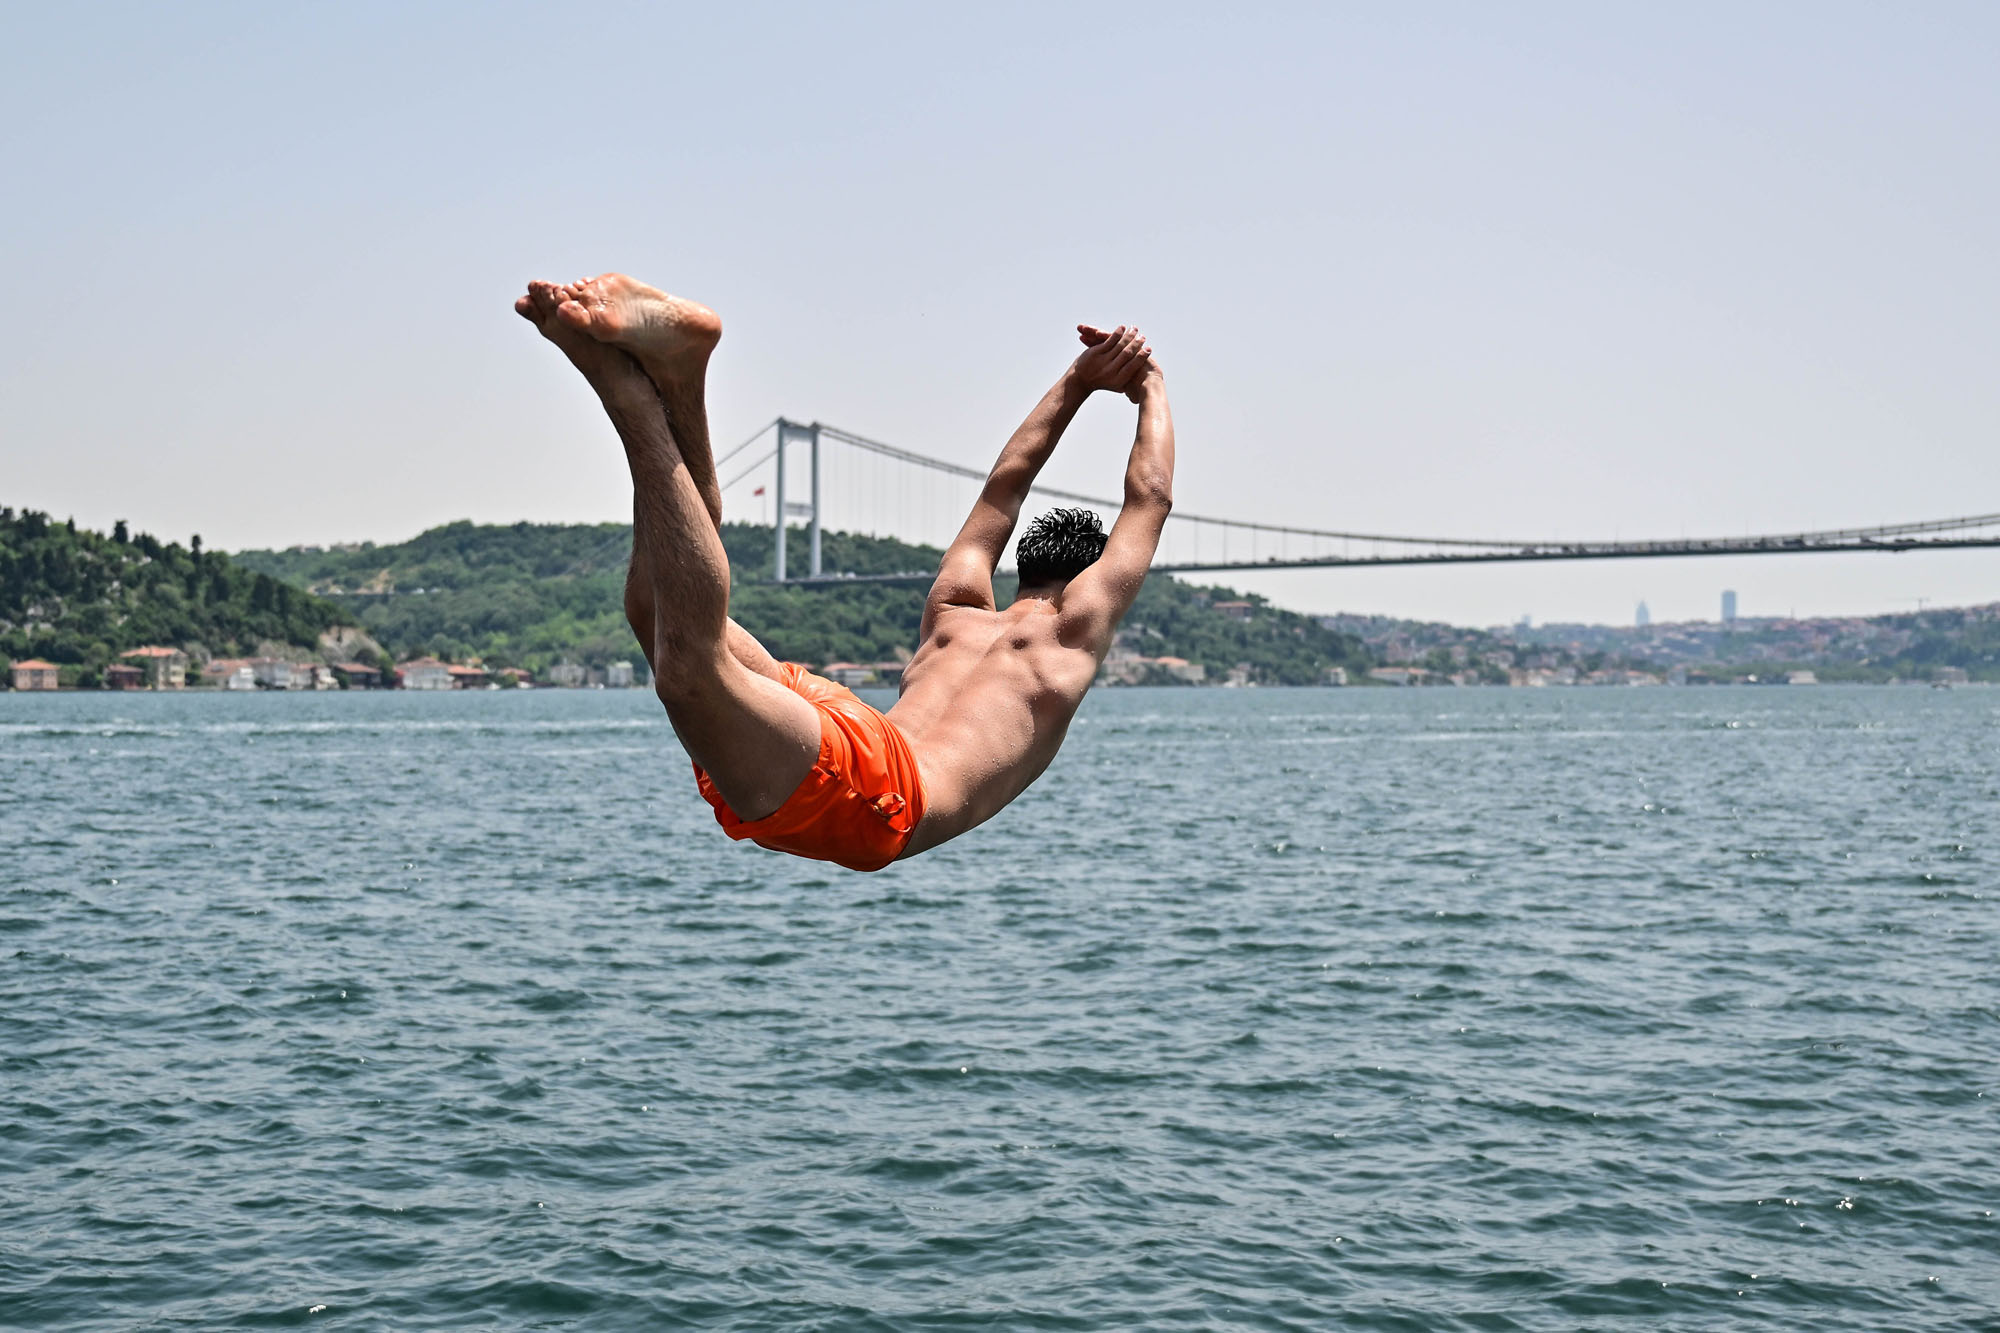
(1118,360)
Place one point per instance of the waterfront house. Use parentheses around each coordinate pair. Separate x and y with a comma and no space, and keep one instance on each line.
(231,673)
(124,676)
(849,674)
(1125,667)
(618,676)
(567,674)
(34,674)
(360,676)
(1180,669)
(274,673)
(163,668)
(425,673)
(468,677)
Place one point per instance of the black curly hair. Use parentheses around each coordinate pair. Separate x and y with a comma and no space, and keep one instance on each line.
(1058,546)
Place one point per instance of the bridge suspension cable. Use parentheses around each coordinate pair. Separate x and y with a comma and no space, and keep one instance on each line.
(1404,549)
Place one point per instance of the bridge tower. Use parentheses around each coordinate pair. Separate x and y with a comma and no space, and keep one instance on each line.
(789,431)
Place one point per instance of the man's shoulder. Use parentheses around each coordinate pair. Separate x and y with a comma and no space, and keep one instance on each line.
(962,609)
(957,617)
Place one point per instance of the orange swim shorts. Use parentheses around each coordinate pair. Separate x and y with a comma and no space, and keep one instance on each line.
(861,801)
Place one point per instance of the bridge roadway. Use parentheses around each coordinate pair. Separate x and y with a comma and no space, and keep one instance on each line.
(1797,544)
(1894,538)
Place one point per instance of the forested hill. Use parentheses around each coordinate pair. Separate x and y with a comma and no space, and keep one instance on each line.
(78,598)
(528,594)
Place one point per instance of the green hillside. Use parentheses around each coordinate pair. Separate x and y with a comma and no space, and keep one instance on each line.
(529,594)
(78,598)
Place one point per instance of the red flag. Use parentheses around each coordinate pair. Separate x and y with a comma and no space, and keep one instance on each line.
(758,491)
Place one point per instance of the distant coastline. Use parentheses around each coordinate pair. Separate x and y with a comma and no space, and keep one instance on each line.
(479,606)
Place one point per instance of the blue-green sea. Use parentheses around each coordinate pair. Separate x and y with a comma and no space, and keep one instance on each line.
(1264,1009)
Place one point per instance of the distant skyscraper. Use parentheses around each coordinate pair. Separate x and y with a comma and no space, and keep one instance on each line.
(1729,607)
(1643,617)
(1525,623)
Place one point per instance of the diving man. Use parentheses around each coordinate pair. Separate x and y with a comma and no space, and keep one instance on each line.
(797,763)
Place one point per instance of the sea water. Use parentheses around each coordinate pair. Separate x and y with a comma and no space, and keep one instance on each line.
(1263,1009)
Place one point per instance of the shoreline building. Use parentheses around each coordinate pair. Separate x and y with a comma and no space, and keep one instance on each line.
(231,673)
(35,674)
(424,673)
(159,668)
(1643,616)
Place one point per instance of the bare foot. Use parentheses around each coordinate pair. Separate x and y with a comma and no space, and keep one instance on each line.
(665,332)
(619,380)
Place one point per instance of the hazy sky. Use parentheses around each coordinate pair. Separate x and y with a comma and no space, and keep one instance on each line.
(1519,271)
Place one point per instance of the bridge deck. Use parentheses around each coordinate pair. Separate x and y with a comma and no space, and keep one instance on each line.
(1571,551)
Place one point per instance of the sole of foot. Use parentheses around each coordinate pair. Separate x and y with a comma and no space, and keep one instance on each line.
(645,321)
(611,370)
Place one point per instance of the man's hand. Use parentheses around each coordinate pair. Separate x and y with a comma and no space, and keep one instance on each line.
(1119,360)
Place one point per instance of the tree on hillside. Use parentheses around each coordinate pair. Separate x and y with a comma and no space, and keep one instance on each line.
(79,598)
(528,594)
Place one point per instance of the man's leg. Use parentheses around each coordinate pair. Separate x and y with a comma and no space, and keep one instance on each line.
(740,642)
(671,339)
(754,737)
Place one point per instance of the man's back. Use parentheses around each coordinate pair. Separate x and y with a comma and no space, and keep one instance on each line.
(986,703)
(989,696)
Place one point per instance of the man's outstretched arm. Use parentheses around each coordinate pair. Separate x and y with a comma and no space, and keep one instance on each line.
(1098,598)
(965,575)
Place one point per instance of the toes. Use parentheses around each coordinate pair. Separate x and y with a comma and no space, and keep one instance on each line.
(548,297)
(575,314)
(525,308)
(580,294)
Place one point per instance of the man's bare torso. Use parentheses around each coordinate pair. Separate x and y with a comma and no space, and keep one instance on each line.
(986,703)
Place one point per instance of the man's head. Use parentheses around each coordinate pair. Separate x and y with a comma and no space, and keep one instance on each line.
(1058,546)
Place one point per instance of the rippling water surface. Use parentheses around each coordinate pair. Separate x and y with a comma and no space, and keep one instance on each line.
(1263,1009)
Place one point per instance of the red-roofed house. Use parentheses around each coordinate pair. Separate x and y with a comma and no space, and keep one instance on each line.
(164,668)
(231,673)
(34,674)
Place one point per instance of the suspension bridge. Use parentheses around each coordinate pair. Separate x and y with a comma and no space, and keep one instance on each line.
(884,490)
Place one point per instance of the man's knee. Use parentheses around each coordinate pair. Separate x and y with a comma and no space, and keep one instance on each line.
(684,677)
(639,610)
